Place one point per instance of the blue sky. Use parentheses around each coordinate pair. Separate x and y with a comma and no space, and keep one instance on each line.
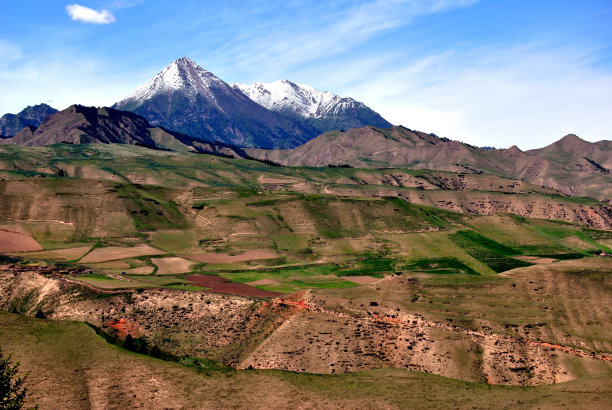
(487,72)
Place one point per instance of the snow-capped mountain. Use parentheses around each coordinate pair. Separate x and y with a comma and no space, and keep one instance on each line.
(181,75)
(321,109)
(283,95)
(185,97)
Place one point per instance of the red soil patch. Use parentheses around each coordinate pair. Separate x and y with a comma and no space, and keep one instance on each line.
(123,327)
(225,258)
(13,238)
(217,284)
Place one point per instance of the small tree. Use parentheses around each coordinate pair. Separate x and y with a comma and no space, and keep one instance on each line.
(12,391)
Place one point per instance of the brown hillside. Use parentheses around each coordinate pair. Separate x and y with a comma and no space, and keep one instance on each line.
(572,146)
(571,165)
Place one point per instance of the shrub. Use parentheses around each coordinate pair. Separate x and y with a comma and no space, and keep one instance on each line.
(12,391)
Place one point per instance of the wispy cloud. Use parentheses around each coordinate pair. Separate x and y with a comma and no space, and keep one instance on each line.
(124,4)
(87,15)
(284,43)
(529,95)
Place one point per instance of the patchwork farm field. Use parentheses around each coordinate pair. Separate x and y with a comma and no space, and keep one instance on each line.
(234,271)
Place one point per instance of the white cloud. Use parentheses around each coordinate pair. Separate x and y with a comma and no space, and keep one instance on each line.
(87,15)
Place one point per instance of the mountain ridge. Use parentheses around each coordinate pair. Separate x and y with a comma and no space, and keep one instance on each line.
(584,172)
(572,146)
(11,124)
(322,110)
(79,124)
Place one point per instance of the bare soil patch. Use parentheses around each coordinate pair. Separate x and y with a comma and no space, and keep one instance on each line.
(264,179)
(65,254)
(142,270)
(173,265)
(225,258)
(261,282)
(606,242)
(119,252)
(217,284)
(361,280)
(121,328)
(13,238)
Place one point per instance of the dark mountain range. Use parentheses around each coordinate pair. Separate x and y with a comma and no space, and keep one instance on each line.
(11,124)
(186,98)
(82,125)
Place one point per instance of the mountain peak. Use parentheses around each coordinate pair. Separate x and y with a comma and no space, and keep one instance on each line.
(514,151)
(184,61)
(572,143)
(11,124)
(571,138)
(187,98)
(181,75)
(301,99)
(322,110)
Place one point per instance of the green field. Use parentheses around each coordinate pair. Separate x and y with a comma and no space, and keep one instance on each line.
(311,235)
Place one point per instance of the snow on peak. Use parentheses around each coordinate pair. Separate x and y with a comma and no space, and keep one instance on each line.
(181,75)
(301,99)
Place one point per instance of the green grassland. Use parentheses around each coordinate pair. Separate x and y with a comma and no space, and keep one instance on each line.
(337,235)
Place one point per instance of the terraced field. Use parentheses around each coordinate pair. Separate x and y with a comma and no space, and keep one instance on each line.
(237,264)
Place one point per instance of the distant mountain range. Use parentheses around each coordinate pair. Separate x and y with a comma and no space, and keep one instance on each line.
(33,116)
(321,110)
(186,108)
(571,165)
(185,97)
(85,125)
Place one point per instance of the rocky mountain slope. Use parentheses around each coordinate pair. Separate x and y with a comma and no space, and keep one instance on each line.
(186,98)
(33,116)
(571,165)
(78,124)
(322,110)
